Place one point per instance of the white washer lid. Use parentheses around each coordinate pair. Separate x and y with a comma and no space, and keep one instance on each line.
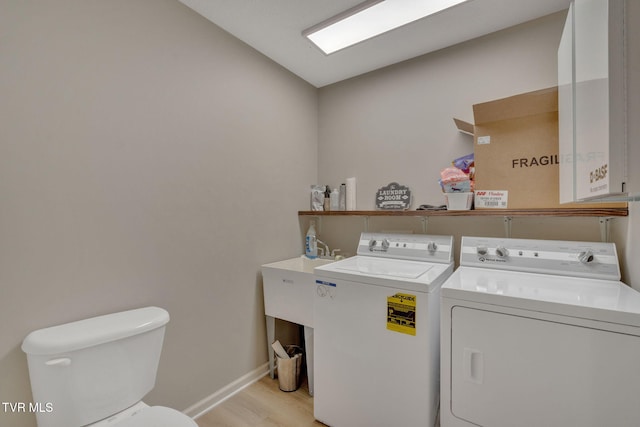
(158,416)
(391,268)
(412,275)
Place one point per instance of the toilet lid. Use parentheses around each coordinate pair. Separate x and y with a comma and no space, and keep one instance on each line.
(158,416)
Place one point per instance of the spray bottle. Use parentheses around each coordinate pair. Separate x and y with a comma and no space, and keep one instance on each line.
(310,242)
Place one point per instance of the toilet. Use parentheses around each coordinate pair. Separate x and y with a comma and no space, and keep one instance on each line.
(95,372)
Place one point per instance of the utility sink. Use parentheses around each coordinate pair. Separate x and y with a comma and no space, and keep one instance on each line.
(301,264)
(289,289)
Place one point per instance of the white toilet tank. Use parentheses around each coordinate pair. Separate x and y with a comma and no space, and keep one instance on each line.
(84,371)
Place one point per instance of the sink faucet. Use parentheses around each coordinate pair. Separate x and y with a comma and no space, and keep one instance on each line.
(325,251)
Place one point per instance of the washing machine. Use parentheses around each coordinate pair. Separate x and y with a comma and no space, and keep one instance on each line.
(376,332)
(539,333)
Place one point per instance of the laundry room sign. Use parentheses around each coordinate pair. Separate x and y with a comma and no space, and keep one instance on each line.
(401,313)
(393,197)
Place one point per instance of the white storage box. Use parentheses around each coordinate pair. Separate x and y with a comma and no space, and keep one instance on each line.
(459,201)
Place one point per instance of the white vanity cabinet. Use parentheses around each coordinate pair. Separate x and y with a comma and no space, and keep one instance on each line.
(593,64)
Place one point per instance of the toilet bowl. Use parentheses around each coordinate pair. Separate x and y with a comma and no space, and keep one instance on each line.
(142,415)
(95,372)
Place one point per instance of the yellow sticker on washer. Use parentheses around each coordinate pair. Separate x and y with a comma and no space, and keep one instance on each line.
(401,313)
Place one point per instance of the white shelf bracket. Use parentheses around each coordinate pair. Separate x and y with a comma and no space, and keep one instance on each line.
(366,223)
(604,228)
(425,223)
(507,226)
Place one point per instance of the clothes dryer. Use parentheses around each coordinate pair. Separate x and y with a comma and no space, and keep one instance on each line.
(539,333)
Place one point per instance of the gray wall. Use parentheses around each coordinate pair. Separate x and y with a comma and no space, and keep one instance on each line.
(396,124)
(146,158)
(632,238)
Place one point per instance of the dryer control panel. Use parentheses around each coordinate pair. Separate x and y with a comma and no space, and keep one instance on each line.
(417,247)
(579,259)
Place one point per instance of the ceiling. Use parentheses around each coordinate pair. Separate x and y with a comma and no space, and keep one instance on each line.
(274,27)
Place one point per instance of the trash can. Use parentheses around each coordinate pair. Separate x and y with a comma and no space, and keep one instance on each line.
(289,369)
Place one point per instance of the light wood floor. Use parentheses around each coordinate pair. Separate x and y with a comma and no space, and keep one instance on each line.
(263,404)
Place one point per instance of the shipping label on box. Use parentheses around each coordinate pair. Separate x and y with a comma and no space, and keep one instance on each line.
(491,199)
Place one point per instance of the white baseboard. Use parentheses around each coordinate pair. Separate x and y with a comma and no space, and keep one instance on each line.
(210,402)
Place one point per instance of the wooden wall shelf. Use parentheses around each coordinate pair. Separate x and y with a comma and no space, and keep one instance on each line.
(573,212)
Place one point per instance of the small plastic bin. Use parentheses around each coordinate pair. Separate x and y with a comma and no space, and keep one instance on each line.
(289,369)
(459,201)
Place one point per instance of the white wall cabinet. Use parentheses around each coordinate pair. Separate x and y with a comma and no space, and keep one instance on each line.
(565,110)
(593,113)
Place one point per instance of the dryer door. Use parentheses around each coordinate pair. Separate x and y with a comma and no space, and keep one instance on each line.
(509,370)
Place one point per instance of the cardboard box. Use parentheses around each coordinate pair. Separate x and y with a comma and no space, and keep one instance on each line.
(515,143)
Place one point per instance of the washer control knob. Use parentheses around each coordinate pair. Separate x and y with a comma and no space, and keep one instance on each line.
(502,252)
(385,244)
(482,250)
(432,247)
(586,257)
(372,244)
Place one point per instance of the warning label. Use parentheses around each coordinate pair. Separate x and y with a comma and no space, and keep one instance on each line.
(401,313)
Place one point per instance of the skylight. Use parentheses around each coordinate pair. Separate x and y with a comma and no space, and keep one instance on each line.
(370,19)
